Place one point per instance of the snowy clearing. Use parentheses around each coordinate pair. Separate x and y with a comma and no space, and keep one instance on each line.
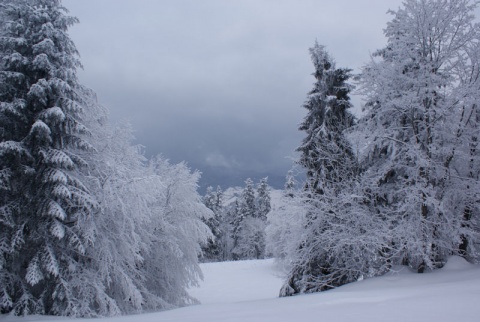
(247,291)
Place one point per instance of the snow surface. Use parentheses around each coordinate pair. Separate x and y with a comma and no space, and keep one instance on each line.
(247,291)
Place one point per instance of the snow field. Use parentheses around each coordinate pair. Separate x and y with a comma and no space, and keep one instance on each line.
(229,282)
(247,291)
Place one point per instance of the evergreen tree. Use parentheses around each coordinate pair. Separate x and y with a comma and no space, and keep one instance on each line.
(213,201)
(42,198)
(290,185)
(263,199)
(223,237)
(236,219)
(325,153)
(263,207)
(322,258)
(247,204)
(209,198)
(242,228)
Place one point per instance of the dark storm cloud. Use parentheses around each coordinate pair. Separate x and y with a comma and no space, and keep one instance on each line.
(219,84)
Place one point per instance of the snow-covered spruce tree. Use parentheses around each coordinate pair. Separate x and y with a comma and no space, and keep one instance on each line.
(210,250)
(241,228)
(234,219)
(340,242)
(42,197)
(421,109)
(247,203)
(213,201)
(290,185)
(263,199)
(325,149)
(223,238)
(263,207)
(209,198)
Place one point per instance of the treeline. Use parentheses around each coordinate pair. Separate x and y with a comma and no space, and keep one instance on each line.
(238,224)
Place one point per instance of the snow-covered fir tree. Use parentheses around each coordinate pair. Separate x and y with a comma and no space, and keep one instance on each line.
(223,238)
(42,198)
(242,230)
(325,149)
(263,200)
(209,198)
(213,200)
(334,247)
(234,219)
(290,184)
(247,205)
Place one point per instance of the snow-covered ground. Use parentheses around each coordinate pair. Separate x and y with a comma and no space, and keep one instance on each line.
(247,291)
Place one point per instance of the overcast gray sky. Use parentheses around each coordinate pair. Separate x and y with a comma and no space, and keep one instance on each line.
(218,83)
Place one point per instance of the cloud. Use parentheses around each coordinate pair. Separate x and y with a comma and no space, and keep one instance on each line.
(218,83)
(216,159)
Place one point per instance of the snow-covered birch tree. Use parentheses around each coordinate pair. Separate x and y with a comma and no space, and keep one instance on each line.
(285,223)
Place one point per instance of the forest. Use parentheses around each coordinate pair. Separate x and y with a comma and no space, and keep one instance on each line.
(91,227)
